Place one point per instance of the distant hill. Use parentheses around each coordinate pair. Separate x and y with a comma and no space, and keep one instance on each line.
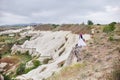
(20,25)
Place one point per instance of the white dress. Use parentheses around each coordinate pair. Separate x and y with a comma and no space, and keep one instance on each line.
(81,42)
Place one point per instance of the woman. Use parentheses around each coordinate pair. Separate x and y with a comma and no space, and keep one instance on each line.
(81,41)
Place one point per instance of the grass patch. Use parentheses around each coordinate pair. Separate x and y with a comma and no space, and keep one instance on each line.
(116,70)
(115,74)
(36,63)
(68,72)
(19,59)
(21,69)
(21,41)
(6,54)
(7,39)
(23,57)
(110,38)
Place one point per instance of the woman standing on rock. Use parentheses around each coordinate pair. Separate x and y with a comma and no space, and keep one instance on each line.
(81,41)
(77,49)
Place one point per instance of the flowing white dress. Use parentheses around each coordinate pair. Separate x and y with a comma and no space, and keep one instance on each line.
(81,42)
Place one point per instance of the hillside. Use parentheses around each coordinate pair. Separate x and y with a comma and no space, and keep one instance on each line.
(46,55)
(74,28)
(100,60)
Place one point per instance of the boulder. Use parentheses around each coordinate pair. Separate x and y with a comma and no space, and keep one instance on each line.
(2,66)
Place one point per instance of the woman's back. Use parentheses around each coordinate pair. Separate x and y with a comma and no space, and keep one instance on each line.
(81,42)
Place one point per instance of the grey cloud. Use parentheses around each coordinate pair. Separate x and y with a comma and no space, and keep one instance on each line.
(54,10)
(26,7)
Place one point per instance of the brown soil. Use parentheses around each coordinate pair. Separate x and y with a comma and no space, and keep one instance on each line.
(11,60)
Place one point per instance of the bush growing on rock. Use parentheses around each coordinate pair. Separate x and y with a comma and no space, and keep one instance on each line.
(6,77)
(109,28)
(18,52)
(21,69)
(36,63)
(28,69)
(26,53)
(21,41)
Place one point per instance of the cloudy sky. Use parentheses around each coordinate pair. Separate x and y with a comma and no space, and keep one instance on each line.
(59,11)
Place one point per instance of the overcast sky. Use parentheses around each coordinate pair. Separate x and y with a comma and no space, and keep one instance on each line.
(59,11)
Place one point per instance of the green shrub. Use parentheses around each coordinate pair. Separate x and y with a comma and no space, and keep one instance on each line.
(27,37)
(109,28)
(111,38)
(55,25)
(90,22)
(7,77)
(26,53)
(28,69)
(112,24)
(36,63)
(21,69)
(10,45)
(18,52)
(98,24)
(21,41)
(0,55)
(24,57)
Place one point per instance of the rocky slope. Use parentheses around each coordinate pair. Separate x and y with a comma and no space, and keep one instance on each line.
(99,60)
(54,50)
(52,46)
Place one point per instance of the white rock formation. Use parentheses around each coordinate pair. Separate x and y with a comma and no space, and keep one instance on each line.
(15,31)
(2,66)
(56,45)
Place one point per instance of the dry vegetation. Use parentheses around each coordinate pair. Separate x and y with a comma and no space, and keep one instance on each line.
(10,60)
(75,28)
(44,27)
(69,72)
(102,56)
